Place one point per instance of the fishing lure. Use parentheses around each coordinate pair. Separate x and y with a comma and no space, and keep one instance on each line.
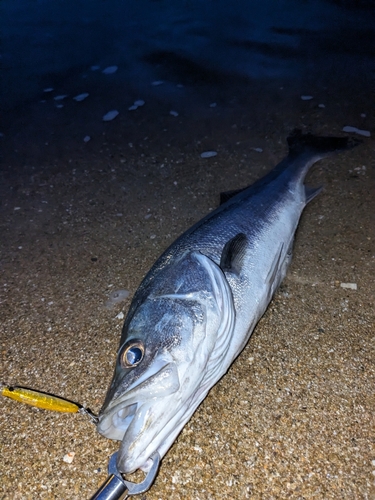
(45,401)
(40,399)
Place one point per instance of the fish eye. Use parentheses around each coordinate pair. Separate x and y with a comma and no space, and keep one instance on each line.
(132,353)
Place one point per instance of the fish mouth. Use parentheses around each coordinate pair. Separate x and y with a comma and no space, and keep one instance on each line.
(123,417)
(137,416)
(116,427)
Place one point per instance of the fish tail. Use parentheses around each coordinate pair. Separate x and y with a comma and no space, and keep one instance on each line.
(320,147)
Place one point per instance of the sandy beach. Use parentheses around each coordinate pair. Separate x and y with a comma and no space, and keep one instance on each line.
(294,416)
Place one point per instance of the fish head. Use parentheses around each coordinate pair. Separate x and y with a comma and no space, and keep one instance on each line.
(169,357)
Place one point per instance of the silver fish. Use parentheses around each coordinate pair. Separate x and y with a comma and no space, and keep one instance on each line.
(197,307)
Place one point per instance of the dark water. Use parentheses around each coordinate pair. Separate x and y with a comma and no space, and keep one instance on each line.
(45,43)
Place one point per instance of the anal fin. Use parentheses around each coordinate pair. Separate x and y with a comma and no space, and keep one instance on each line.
(311,192)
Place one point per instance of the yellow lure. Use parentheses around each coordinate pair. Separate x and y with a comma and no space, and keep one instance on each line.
(40,399)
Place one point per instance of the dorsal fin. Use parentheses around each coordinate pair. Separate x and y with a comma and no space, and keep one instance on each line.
(233,254)
(227,195)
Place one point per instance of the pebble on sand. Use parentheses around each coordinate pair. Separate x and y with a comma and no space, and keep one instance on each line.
(87,138)
(208,154)
(81,97)
(110,115)
(156,83)
(60,97)
(356,130)
(110,70)
(49,89)
(173,113)
(306,97)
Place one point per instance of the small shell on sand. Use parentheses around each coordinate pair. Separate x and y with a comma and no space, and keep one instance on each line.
(81,97)
(350,286)
(355,130)
(116,297)
(69,457)
(110,70)
(208,154)
(136,105)
(110,115)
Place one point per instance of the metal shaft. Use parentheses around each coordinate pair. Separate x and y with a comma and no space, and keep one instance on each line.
(112,489)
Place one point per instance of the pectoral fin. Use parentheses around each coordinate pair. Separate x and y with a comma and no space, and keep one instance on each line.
(233,254)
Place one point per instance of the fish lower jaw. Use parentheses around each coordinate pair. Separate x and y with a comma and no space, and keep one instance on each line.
(115,425)
(128,467)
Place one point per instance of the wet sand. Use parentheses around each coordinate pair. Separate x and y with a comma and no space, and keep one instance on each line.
(294,416)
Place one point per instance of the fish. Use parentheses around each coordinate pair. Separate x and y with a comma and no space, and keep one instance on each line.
(197,307)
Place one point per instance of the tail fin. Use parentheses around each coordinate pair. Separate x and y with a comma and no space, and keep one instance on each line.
(304,151)
(300,143)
